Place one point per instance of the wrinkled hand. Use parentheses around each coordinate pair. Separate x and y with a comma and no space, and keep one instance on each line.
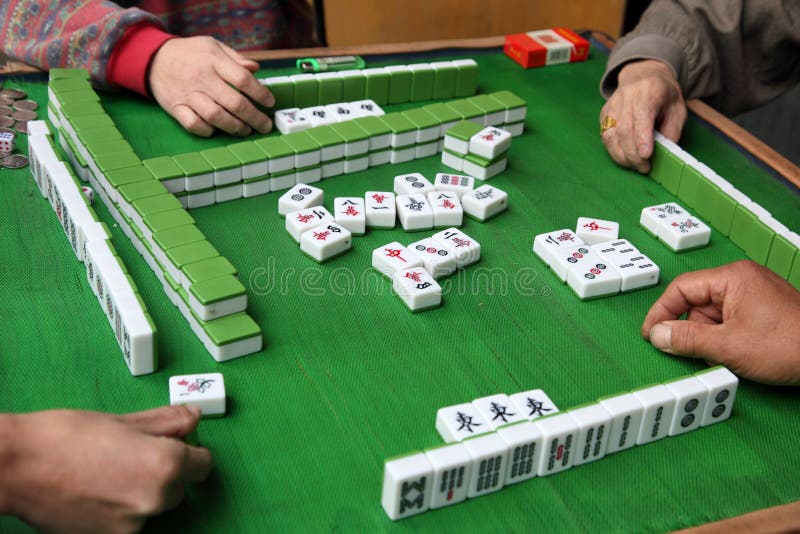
(71,471)
(647,97)
(741,315)
(202,83)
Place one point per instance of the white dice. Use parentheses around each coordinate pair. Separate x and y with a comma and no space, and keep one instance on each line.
(206,391)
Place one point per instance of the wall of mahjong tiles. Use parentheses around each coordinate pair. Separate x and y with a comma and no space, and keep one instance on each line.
(349,377)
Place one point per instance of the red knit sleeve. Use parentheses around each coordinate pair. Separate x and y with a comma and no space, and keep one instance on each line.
(131,57)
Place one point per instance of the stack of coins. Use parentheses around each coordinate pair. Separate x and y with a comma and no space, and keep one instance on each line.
(15,112)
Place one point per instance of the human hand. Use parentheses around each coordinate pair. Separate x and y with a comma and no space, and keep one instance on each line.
(740,315)
(647,97)
(72,471)
(198,81)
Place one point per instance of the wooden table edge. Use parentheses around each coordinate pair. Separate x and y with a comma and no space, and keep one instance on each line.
(784,518)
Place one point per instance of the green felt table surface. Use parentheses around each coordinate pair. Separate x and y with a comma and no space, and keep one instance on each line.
(348,377)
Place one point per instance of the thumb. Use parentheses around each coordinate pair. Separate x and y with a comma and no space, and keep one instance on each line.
(689,338)
(167,421)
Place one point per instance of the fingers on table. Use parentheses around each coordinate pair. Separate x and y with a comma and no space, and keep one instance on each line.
(687,291)
(191,121)
(167,421)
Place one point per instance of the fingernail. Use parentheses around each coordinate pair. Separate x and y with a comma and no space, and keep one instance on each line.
(661,337)
(195,410)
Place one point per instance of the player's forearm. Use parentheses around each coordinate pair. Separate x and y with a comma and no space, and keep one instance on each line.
(8,455)
(735,54)
(71,33)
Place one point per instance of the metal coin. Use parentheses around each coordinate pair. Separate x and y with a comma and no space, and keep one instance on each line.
(24,115)
(22,127)
(28,105)
(14,94)
(6,122)
(14,161)
(4,153)
(5,111)
(8,130)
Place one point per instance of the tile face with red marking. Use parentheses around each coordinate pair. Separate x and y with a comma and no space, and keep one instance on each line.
(206,391)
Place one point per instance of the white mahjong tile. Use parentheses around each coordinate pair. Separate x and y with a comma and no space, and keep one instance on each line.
(206,391)
(300,197)
(298,222)
(594,423)
(546,245)
(364,108)
(659,406)
(559,437)
(722,385)
(466,249)
(402,155)
(418,290)
(484,202)
(453,161)
(691,395)
(340,112)
(489,457)
(455,183)
(407,485)
(381,157)
(426,150)
(524,442)
(593,277)
(652,216)
(454,423)
(636,269)
(684,233)
(484,173)
(291,120)
(412,183)
(326,241)
(318,115)
(594,231)
(452,469)
(332,168)
(498,409)
(533,404)
(447,209)
(437,259)
(394,257)
(381,209)
(564,259)
(350,213)
(414,212)
(626,412)
(490,142)
(516,128)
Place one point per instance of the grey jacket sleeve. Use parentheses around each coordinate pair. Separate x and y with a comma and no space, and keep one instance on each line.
(736,54)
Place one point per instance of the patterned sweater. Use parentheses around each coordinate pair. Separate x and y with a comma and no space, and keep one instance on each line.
(115,43)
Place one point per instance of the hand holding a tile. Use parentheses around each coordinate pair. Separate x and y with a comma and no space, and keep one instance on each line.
(74,471)
(206,85)
(740,315)
(648,97)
